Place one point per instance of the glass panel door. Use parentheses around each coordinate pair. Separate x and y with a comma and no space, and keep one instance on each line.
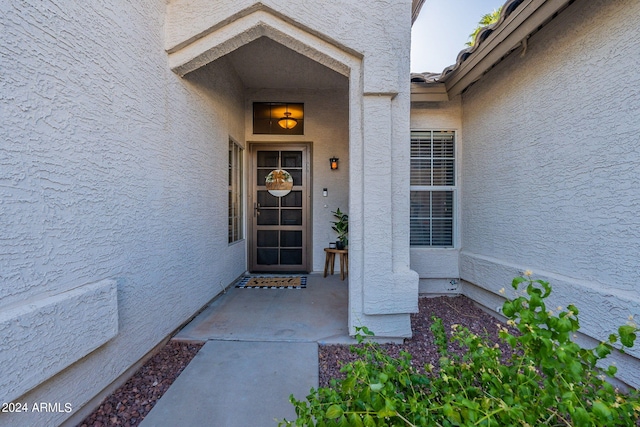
(279,223)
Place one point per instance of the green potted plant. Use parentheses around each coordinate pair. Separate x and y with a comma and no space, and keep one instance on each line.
(341,226)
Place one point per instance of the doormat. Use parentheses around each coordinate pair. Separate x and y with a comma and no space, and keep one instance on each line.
(297,282)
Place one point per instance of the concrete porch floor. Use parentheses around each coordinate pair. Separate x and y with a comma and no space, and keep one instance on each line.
(315,314)
(261,346)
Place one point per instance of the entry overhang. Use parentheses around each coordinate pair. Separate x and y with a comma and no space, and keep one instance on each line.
(258,21)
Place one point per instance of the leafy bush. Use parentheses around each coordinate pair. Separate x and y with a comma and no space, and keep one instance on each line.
(341,226)
(549,380)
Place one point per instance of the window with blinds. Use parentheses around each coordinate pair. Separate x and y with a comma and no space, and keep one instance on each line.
(235,191)
(433,186)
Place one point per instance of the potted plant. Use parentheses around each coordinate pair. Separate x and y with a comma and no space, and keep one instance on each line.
(341,226)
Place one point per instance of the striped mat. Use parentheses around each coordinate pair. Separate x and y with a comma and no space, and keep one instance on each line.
(290,282)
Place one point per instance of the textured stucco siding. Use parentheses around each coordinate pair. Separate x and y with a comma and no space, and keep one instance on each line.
(380,38)
(35,346)
(550,166)
(111,167)
(443,115)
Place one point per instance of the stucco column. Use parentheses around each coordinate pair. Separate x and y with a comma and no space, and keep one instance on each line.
(389,287)
(377,215)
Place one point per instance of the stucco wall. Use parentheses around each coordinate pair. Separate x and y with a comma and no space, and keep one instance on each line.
(381,37)
(112,168)
(551,160)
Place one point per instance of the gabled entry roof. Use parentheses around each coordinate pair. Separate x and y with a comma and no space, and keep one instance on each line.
(218,36)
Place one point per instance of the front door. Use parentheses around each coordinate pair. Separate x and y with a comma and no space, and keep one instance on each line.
(280,225)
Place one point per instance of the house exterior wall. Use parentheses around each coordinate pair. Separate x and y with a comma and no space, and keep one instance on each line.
(326,128)
(368,42)
(438,266)
(112,173)
(550,169)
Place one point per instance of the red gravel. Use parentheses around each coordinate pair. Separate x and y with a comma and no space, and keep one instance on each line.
(130,403)
(421,346)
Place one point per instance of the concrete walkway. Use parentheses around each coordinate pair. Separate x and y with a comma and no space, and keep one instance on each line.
(261,346)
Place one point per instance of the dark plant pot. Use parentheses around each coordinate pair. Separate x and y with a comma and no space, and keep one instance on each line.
(339,245)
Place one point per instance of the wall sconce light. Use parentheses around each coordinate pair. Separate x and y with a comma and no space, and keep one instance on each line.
(334,163)
(287,122)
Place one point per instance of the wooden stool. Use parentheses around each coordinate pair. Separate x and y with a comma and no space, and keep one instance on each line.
(330,260)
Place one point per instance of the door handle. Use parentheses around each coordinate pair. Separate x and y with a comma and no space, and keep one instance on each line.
(256,209)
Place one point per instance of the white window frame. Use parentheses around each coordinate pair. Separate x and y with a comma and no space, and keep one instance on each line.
(454,189)
(236,192)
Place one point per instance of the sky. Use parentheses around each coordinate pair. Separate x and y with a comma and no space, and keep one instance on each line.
(442,29)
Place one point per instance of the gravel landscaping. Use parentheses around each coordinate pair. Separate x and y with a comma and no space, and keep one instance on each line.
(129,404)
(452,310)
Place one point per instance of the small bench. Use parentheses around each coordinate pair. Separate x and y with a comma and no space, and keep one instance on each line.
(330,260)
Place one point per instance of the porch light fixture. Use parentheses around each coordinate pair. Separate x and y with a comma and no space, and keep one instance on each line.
(334,163)
(287,122)
(278,118)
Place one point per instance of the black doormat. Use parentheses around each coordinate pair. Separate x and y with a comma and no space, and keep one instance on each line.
(284,282)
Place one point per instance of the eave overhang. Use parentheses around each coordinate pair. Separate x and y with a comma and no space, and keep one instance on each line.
(428,92)
(416,5)
(518,21)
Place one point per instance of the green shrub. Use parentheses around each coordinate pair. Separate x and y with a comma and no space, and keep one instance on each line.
(548,380)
